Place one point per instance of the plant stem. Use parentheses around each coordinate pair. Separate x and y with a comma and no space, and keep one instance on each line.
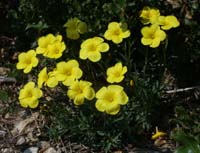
(146,60)
(164,52)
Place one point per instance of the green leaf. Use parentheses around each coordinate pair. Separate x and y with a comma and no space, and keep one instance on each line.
(183,150)
(190,144)
(193,148)
(100,133)
(40,25)
(183,138)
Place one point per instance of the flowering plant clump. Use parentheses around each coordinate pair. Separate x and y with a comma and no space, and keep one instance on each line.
(96,77)
(154,34)
(69,72)
(116,33)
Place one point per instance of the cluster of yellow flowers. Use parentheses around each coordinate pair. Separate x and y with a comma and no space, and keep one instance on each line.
(108,98)
(154,34)
(51,46)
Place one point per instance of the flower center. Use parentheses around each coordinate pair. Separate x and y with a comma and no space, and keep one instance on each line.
(56,51)
(68,73)
(152,35)
(110,96)
(92,47)
(110,99)
(80,91)
(117,74)
(29,94)
(28,62)
(116,32)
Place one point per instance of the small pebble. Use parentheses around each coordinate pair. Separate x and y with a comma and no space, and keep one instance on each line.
(21,140)
(50,150)
(31,150)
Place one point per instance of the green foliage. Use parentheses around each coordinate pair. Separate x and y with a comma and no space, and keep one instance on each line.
(187,119)
(188,128)
(101,131)
(189,144)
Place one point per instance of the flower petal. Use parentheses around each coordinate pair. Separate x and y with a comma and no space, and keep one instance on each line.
(23,103)
(28,69)
(100,93)
(123,98)
(146,41)
(79,100)
(113,109)
(100,105)
(83,54)
(89,93)
(52,82)
(94,57)
(155,43)
(33,104)
(126,34)
(104,47)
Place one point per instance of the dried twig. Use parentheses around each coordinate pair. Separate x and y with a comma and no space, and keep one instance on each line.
(182,89)
(7,79)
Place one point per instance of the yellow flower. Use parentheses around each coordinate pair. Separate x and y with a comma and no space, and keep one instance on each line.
(158,134)
(55,50)
(27,61)
(116,73)
(51,46)
(47,79)
(79,90)
(152,36)
(92,48)
(29,95)
(68,72)
(44,41)
(149,15)
(116,33)
(75,27)
(110,98)
(168,22)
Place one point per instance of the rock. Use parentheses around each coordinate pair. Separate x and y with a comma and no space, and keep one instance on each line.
(6,150)
(2,133)
(138,150)
(21,140)
(21,125)
(50,150)
(43,144)
(31,150)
